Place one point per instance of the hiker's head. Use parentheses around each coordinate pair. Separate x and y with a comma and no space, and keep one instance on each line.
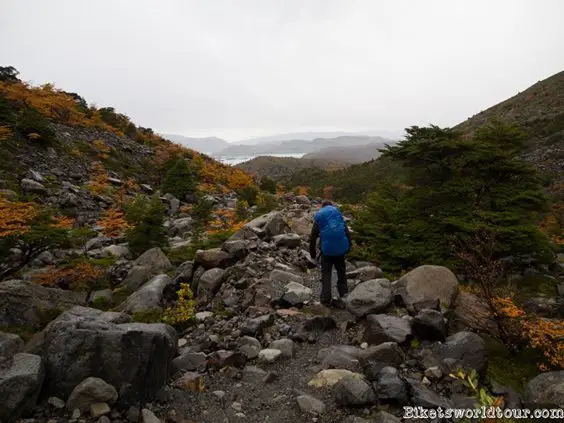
(326,203)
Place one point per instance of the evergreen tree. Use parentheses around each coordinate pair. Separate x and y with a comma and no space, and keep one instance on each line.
(456,186)
(148,231)
(268,185)
(180,179)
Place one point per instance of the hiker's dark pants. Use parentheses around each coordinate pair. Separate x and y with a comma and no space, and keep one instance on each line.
(327,263)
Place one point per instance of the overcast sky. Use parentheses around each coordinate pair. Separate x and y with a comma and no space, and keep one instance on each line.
(244,68)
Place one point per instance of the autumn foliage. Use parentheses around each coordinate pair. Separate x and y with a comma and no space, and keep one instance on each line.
(99,179)
(15,217)
(113,223)
(80,277)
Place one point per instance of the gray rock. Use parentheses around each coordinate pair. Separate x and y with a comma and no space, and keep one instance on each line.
(149,417)
(90,391)
(311,405)
(189,361)
(238,249)
(425,397)
(210,282)
(212,258)
(10,345)
(20,385)
(255,326)
(25,303)
(352,391)
(149,264)
(201,316)
(425,286)
(285,345)
(269,355)
(249,346)
(183,273)
(180,227)
(85,342)
(96,243)
(390,388)
(106,295)
(340,357)
(296,294)
(288,240)
(36,176)
(118,251)
(148,297)
(366,273)
(137,277)
(375,358)
(369,297)
(268,226)
(282,276)
(29,185)
(56,403)
(468,348)
(302,199)
(302,226)
(545,391)
(384,328)
(429,324)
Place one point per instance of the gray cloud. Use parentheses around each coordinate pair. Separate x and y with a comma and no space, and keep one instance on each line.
(242,68)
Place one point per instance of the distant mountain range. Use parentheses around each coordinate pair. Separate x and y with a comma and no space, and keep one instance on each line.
(301,146)
(350,154)
(203,145)
(293,143)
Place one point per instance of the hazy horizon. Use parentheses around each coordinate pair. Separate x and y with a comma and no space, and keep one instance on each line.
(256,68)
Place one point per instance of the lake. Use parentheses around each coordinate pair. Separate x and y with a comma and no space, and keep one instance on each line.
(233,160)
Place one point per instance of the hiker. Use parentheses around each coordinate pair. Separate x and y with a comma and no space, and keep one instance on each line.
(335,241)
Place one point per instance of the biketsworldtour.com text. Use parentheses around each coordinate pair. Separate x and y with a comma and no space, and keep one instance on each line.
(482,413)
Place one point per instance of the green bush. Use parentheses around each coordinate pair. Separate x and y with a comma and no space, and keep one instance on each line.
(268,185)
(266,203)
(455,188)
(202,210)
(249,194)
(241,210)
(148,231)
(180,179)
(33,126)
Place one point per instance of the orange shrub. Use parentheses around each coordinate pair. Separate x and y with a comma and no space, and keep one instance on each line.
(5,133)
(15,217)
(79,277)
(113,223)
(99,179)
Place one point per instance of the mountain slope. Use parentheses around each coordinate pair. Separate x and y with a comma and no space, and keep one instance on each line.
(539,112)
(206,145)
(347,154)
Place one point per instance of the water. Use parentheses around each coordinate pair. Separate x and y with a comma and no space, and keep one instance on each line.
(233,160)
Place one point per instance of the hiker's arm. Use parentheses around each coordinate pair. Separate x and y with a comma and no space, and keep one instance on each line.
(313,240)
(348,233)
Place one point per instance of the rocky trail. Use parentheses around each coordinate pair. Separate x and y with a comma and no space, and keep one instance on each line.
(261,349)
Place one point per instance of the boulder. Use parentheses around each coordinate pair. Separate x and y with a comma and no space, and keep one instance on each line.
(210,282)
(180,227)
(222,358)
(137,277)
(84,342)
(302,199)
(467,348)
(267,226)
(366,273)
(148,297)
(269,355)
(311,405)
(10,345)
(255,326)
(375,358)
(302,226)
(285,345)
(249,346)
(425,286)
(26,303)
(340,357)
(183,273)
(151,263)
(288,240)
(352,391)
(425,397)
(212,258)
(90,391)
(472,312)
(390,388)
(117,251)
(96,243)
(384,328)
(429,324)
(545,391)
(296,294)
(102,295)
(189,361)
(20,386)
(238,249)
(370,297)
(29,185)
(329,377)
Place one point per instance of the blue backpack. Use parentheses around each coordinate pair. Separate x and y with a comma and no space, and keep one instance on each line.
(331,224)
